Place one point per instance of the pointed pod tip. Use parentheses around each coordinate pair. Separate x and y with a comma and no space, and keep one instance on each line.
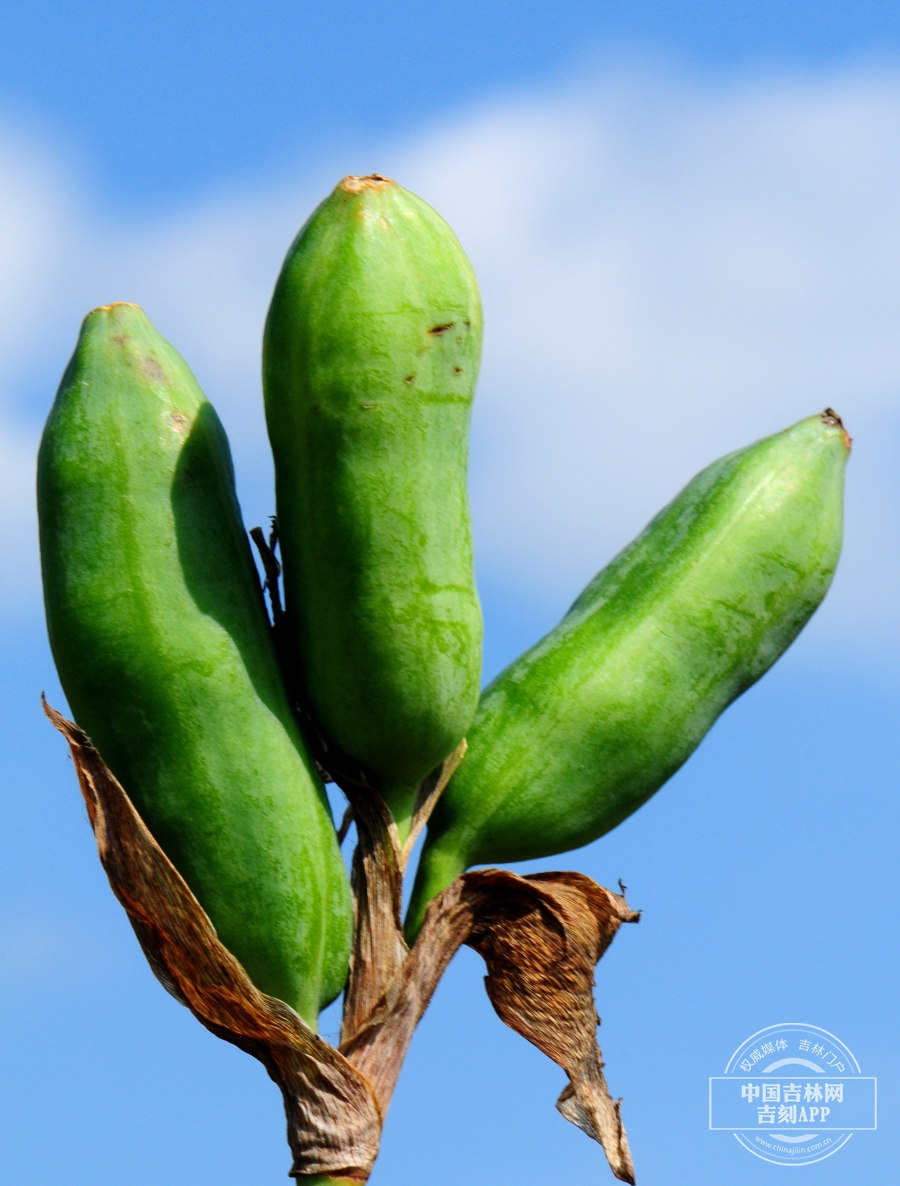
(830,417)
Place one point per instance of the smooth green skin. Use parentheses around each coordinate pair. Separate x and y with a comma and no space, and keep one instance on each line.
(582,729)
(159,633)
(370,358)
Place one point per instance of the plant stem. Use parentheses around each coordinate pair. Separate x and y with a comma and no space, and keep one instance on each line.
(325,1180)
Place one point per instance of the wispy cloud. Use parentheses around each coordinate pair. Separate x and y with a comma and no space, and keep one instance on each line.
(669,269)
(33,212)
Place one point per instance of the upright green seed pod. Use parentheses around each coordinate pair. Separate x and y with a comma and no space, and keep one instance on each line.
(159,633)
(370,358)
(578,732)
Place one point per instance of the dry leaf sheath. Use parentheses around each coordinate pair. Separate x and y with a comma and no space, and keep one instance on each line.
(540,937)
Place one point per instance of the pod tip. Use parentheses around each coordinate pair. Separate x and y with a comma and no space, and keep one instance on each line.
(355,185)
(109,317)
(830,416)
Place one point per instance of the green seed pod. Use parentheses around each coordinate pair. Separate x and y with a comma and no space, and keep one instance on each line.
(370,358)
(159,633)
(582,729)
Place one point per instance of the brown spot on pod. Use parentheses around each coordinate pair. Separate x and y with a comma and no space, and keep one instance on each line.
(178,421)
(152,368)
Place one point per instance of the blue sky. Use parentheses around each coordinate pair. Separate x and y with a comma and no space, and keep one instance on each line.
(686,223)
(163,99)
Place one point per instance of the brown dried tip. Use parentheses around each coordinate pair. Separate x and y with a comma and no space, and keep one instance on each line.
(355,185)
(830,416)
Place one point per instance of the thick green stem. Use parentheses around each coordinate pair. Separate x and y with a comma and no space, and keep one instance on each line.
(401,799)
(436,871)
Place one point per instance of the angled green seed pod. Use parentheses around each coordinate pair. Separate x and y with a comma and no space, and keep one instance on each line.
(159,633)
(582,729)
(370,357)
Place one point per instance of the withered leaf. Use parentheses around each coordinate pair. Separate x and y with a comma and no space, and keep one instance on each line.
(334,1120)
(540,937)
(379,948)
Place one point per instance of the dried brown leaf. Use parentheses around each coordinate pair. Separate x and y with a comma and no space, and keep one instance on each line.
(540,937)
(378,1047)
(334,1120)
(379,948)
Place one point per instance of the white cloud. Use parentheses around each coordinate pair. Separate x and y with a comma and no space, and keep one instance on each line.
(33,216)
(669,271)
(672,271)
